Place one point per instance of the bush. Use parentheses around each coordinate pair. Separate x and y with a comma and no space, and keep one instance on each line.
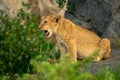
(62,70)
(20,41)
(61,3)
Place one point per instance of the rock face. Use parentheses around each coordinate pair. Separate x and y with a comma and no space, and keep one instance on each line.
(113,30)
(100,16)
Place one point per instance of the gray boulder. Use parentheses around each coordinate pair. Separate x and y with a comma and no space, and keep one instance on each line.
(100,16)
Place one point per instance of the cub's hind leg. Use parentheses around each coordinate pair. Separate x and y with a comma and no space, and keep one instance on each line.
(105,49)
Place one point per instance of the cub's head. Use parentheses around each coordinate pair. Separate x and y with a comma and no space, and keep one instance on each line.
(50,24)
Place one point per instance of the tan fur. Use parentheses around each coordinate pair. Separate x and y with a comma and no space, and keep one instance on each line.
(80,42)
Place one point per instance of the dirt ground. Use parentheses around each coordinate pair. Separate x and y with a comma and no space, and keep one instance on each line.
(112,62)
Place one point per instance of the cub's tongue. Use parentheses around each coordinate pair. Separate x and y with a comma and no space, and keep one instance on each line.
(46,32)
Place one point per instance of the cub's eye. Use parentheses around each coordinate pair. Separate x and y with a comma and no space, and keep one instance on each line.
(45,21)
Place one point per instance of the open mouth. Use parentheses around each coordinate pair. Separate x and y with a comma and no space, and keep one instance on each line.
(46,33)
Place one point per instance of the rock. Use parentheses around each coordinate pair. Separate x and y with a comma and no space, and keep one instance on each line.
(113,30)
(100,16)
(113,62)
(95,13)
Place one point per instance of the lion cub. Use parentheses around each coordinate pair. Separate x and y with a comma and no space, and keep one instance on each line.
(80,42)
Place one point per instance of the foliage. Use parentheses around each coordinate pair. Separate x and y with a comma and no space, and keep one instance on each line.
(70,7)
(20,40)
(61,3)
(65,70)
(61,70)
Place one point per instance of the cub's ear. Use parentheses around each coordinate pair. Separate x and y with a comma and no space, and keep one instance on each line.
(58,17)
